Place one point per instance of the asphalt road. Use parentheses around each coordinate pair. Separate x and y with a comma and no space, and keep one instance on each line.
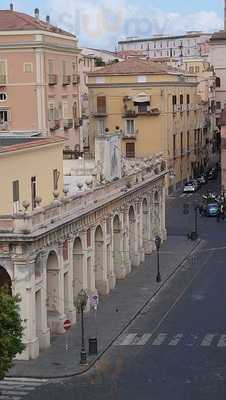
(176,349)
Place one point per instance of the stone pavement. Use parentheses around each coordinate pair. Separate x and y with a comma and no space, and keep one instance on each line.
(115,312)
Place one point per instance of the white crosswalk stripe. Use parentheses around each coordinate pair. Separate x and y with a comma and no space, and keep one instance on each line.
(136,339)
(15,388)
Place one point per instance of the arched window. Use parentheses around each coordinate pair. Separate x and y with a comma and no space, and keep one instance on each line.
(218,82)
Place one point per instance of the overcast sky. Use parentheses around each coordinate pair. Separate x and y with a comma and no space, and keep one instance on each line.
(101,23)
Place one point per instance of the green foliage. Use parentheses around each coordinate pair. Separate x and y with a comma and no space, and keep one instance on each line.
(11,330)
(99,62)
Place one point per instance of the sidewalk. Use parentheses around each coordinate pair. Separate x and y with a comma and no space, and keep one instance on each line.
(115,313)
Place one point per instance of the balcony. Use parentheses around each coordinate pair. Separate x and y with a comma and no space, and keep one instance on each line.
(130,135)
(53,79)
(2,79)
(148,111)
(66,80)
(53,125)
(100,113)
(68,123)
(129,113)
(75,79)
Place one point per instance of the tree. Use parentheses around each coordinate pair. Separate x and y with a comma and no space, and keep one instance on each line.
(99,62)
(11,330)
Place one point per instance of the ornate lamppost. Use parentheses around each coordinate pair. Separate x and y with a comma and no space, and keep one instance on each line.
(81,305)
(158,242)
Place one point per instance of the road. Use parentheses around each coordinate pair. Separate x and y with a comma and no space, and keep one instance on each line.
(176,348)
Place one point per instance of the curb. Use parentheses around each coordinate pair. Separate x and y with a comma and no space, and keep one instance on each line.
(132,319)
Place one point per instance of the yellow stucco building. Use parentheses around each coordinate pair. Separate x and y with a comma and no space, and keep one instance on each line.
(29,174)
(156,108)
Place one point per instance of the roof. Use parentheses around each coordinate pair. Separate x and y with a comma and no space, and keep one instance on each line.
(17,21)
(134,66)
(164,37)
(221,35)
(27,144)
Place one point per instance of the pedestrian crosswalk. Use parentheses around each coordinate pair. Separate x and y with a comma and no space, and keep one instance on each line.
(138,339)
(15,388)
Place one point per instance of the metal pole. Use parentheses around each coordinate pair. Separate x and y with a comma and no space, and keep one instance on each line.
(83,359)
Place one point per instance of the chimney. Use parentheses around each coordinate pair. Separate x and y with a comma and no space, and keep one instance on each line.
(36,13)
(48,19)
(11,6)
(225,15)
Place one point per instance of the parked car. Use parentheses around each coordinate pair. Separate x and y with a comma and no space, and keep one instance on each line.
(202,179)
(212,174)
(190,187)
(211,209)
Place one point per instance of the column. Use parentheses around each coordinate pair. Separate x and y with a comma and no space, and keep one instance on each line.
(163,214)
(71,313)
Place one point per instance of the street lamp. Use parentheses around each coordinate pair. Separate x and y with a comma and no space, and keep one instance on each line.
(157,245)
(81,305)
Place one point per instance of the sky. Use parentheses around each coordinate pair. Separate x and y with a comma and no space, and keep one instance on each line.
(101,23)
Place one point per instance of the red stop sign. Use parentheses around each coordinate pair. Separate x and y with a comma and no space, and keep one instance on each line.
(67,324)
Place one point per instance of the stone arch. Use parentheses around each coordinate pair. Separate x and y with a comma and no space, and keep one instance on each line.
(99,255)
(5,280)
(132,233)
(116,245)
(77,267)
(52,278)
(145,227)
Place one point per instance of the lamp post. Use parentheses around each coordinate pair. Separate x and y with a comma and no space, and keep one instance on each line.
(157,245)
(81,305)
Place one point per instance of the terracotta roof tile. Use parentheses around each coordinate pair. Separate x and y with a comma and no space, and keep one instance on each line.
(134,66)
(33,143)
(14,21)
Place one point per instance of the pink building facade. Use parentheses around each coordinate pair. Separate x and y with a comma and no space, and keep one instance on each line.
(39,78)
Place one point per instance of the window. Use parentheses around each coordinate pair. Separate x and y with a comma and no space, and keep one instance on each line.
(101,127)
(28,67)
(16,196)
(197,70)
(181,99)
(218,82)
(65,110)
(181,144)
(191,70)
(64,67)
(3,96)
(33,192)
(188,98)
(56,175)
(101,105)
(130,150)
(130,126)
(51,112)
(218,105)
(188,140)
(143,107)
(5,116)
(174,146)
(2,71)
(174,100)
(74,68)
(141,79)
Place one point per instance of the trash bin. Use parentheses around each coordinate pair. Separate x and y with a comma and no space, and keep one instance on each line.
(92,346)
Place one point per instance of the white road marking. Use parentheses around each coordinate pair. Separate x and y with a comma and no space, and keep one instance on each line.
(176,339)
(128,340)
(222,341)
(159,339)
(143,339)
(208,339)
(16,388)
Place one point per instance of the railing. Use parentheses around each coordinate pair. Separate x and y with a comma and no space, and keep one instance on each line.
(66,80)
(2,79)
(68,123)
(4,126)
(25,223)
(75,79)
(53,79)
(127,135)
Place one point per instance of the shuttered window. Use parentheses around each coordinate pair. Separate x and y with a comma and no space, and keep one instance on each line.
(16,196)
(130,150)
(101,104)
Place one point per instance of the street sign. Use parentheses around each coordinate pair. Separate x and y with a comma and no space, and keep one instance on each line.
(67,324)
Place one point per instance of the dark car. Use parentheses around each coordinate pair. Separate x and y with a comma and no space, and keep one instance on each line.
(201,179)
(212,174)
(211,209)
